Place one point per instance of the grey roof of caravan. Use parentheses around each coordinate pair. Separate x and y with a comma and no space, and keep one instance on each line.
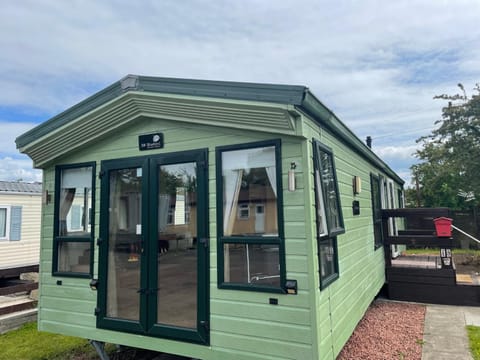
(20,187)
(298,96)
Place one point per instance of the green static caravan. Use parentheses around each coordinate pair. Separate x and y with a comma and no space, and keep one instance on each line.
(214,220)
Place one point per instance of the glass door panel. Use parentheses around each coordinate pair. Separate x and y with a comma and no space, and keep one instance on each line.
(124,244)
(153,274)
(177,245)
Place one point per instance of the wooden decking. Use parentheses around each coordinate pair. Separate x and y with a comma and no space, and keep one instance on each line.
(9,273)
(417,261)
(467,279)
(425,278)
(16,310)
(18,298)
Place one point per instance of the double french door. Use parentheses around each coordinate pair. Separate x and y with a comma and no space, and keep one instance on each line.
(153,256)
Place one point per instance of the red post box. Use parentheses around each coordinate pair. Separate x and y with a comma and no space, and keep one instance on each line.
(443,226)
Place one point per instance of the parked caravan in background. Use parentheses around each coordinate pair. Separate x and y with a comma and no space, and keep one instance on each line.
(20,214)
(215,220)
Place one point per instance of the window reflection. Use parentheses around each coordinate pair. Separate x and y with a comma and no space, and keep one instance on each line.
(75,202)
(327,258)
(250,204)
(177,241)
(253,264)
(330,190)
(328,211)
(74,226)
(74,257)
(249,180)
(125,229)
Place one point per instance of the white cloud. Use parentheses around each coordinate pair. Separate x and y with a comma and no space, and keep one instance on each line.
(13,165)
(18,169)
(396,152)
(377,65)
(406,175)
(8,134)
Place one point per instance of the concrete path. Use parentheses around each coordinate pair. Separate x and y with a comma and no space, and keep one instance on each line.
(445,335)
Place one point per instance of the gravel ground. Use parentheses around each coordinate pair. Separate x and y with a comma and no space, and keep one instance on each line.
(389,330)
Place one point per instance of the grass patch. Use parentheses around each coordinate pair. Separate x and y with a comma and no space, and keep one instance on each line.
(474,340)
(27,343)
(436,251)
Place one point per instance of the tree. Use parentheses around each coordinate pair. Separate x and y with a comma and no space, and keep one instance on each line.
(448,174)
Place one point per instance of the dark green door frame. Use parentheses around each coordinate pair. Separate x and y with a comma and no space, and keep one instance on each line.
(149,293)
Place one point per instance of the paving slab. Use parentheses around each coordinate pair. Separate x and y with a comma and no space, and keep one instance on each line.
(472,315)
(445,334)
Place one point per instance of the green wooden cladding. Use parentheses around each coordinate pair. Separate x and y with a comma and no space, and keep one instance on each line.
(315,324)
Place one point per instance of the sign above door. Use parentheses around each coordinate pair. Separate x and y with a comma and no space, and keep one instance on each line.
(150,141)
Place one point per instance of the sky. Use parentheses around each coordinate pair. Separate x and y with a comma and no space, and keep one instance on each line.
(376,64)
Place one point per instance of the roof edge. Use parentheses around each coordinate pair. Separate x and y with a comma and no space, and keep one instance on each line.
(273,93)
(296,95)
(77,110)
(315,108)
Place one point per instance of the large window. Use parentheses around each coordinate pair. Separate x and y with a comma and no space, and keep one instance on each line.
(328,211)
(74,201)
(250,243)
(376,189)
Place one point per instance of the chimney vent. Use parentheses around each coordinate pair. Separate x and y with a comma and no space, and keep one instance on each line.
(369,141)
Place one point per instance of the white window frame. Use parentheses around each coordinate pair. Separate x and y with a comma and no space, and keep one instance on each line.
(7,222)
(241,208)
(171,215)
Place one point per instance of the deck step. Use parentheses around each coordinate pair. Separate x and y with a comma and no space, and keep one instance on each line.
(18,287)
(465,279)
(11,304)
(17,319)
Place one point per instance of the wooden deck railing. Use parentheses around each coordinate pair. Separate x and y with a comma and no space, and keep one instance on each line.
(409,278)
(419,229)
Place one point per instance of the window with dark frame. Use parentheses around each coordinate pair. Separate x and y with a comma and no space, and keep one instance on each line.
(251,248)
(74,223)
(328,212)
(376,189)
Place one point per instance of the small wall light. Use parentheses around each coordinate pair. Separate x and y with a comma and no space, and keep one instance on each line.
(291,287)
(357,185)
(291,177)
(94,284)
